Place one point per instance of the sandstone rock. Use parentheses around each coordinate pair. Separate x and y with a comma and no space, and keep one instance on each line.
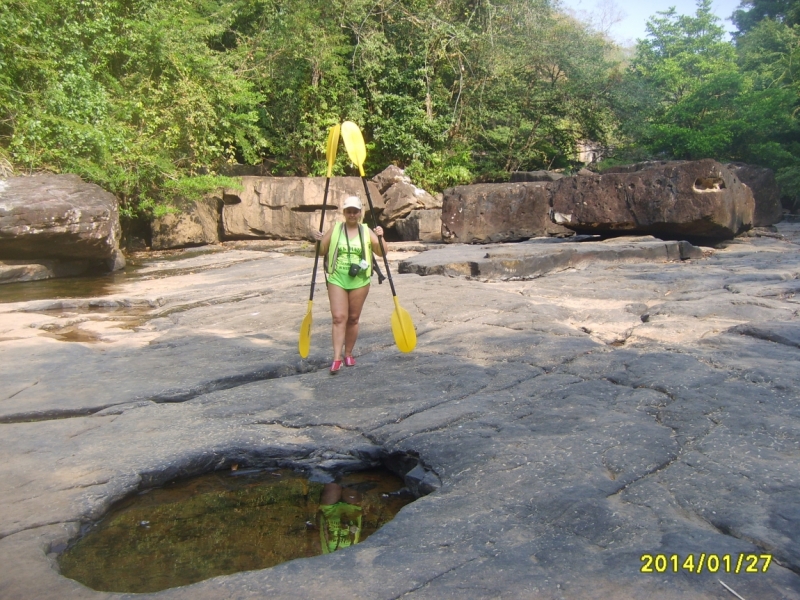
(390,176)
(401,199)
(288,207)
(497,212)
(424,225)
(19,271)
(59,216)
(535,258)
(522,176)
(700,199)
(198,226)
(766,192)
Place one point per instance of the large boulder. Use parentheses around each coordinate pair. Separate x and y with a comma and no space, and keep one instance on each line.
(498,212)
(424,225)
(766,192)
(288,207)
(402,198)
(197,226)
(389,176)
(50,216)
(700,199)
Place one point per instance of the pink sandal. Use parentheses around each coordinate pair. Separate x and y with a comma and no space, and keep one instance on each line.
(337,364)
(349,361)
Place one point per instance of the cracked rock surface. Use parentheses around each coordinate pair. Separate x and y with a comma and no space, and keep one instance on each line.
(571,423)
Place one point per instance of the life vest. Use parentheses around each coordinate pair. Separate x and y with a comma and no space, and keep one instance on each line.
(333,248)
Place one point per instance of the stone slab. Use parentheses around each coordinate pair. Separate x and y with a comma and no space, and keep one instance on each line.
(537,257)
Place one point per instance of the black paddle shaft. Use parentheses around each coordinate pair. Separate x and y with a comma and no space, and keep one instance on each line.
(380,237)
(321,225)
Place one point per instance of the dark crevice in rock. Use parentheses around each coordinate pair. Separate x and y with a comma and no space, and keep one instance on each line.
(435,577)
(33,528)
(51,415)
(178,396)
(27,387)
(441,427)
(207,302)
(422,409)
(275,371)
(764,334)
(657,469)
(723,529)
(300,426)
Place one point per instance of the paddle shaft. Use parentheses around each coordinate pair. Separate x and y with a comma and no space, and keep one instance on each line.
(380,237)
(321,225)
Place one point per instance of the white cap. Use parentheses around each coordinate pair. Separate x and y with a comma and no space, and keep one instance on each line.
(352,202)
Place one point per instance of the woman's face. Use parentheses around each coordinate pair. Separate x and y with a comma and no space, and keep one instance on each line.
(352,215)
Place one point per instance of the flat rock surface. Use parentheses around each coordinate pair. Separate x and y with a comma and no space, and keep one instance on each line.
(539,256)
(572,423)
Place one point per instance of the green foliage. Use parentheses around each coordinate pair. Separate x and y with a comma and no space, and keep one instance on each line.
(789,180)
(191,189)
(440,172)
(153,99)
(690,94)
(138,96)
(752,12)
(124,93)
(692,80)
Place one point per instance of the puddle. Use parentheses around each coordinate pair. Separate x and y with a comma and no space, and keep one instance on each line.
(217,524)
(68,287)
(74,334)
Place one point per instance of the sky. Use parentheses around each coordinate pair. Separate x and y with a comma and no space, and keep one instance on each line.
(634,14)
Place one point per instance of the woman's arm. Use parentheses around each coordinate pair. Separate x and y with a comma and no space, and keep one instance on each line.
(373,238)
(324,240)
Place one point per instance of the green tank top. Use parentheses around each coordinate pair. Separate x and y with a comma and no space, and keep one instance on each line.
(343,252)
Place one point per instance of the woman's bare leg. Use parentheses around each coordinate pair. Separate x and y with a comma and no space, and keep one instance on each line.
(355,304)
(339,312)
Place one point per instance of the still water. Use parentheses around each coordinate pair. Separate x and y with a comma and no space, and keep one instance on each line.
(217,524)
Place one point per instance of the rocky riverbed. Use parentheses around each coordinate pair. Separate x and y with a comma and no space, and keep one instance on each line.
(568,424)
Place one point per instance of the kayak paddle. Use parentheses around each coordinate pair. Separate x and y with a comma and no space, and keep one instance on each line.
(304,344)
(402,326)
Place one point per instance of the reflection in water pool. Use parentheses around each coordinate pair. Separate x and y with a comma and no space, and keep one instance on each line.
(218,524)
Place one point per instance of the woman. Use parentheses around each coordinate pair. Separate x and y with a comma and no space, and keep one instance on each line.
(340,517)
(348,249)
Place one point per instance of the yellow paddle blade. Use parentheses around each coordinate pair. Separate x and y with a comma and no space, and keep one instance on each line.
(304,344)
(405,336)
(333,144)
(354,144)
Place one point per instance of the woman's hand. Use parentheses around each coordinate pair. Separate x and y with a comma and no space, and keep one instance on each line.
(316,234)
(379,231)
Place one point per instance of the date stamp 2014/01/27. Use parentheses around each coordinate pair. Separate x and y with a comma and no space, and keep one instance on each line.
(705,563)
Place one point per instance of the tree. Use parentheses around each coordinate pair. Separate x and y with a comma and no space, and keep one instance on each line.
(768,45)
(127,94)
(752,12)
(702,104)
